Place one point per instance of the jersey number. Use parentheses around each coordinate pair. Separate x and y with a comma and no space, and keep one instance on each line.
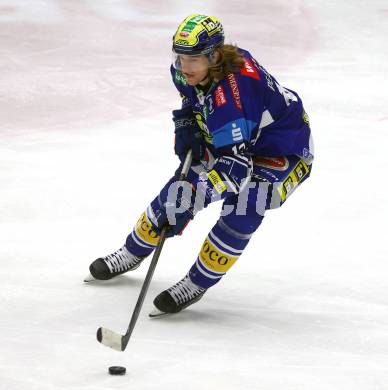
(288,95)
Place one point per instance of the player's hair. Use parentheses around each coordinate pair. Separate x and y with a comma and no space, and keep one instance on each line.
(230,62)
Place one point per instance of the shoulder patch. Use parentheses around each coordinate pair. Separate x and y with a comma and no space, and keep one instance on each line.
(249,70)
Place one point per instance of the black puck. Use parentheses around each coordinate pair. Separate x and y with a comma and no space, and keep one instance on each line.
(117,370)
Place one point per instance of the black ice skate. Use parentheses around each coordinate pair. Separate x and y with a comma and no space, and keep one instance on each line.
(119,262)
(177,297)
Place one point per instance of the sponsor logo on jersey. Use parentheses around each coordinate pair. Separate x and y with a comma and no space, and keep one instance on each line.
(217,182)
(276,163)
(220,97)
(268,77)
(236,133)
(249,70)
(235,91)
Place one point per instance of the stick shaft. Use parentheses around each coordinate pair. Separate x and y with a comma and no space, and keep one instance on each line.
(154,261)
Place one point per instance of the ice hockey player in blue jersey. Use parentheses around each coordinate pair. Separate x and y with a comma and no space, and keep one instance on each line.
(251,144)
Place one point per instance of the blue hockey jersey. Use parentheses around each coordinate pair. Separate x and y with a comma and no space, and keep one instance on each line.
(249,107)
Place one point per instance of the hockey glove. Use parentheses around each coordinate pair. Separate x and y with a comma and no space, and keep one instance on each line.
(228,176)
(187,135)
(176,210)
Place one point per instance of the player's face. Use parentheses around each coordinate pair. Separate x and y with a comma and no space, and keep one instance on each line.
(194,68)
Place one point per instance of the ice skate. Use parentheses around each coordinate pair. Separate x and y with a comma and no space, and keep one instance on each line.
(119,262)
(178,297)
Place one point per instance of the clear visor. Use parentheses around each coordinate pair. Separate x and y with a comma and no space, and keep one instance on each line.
(190,63)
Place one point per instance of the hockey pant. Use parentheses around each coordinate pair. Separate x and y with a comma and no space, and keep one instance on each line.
(273,180)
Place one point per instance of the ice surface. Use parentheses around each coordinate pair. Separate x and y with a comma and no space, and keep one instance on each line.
(86,142)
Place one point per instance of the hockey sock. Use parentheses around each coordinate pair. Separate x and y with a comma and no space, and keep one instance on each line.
(143,239)
(220,250)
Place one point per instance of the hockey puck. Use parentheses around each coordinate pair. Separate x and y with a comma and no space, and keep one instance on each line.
(117,370)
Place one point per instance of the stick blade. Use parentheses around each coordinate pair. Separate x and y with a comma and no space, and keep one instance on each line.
(110,339)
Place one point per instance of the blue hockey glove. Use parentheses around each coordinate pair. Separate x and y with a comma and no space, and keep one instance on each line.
(187,135)
(176,210)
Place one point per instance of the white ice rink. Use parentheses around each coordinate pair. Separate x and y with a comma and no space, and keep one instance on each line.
(86,141)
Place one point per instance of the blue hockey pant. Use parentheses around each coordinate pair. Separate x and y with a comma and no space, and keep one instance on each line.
(273,180)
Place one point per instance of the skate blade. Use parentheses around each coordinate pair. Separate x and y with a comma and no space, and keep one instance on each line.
(157,313)
(89,278)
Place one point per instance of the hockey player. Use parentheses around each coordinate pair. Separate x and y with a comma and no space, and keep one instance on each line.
(251,142)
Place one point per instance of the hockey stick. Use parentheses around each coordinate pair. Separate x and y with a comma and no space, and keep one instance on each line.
(118,341)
